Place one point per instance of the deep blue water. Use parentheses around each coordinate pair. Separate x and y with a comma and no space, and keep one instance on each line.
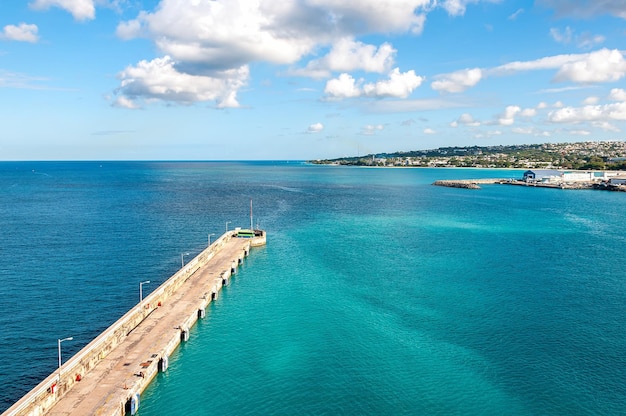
(377,293)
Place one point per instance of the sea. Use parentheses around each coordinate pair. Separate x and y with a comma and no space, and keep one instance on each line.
(377,293)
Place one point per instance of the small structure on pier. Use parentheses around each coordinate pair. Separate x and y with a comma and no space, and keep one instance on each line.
(257,237)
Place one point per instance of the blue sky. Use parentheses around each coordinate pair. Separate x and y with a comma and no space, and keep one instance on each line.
(304,79)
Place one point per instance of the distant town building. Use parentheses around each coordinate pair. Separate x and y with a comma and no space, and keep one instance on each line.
(552,176)
(542,175)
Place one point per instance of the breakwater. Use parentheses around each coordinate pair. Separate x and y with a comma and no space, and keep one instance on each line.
(474,184)
(109,374)
(468,183)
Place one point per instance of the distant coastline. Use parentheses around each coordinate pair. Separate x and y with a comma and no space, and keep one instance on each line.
(607,155)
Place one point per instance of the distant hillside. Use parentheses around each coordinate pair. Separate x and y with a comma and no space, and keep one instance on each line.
(580,155)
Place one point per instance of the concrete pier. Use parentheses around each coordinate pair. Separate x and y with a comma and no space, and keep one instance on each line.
(108,376)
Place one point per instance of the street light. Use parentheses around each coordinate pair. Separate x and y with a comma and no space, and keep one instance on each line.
(182,261)
(210,239)
(227,222)
(60,341)
(141,291)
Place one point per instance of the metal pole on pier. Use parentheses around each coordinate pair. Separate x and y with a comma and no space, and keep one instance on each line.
(251,226)
(60,341)
(182,259)
(141,290)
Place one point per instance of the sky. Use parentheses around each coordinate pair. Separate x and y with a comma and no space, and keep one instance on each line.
(305,79)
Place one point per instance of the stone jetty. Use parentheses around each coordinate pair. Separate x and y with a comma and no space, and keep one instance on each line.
(468,183)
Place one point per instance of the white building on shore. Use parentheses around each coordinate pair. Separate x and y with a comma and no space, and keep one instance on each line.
(561,176)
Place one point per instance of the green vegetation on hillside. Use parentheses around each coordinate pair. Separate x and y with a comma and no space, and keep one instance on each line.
(582,155)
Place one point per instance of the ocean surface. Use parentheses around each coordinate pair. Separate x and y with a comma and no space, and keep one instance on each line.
(377,293)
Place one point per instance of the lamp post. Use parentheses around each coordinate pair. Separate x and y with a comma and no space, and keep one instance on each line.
(141,290)
(210,239)
(227,222)
(182,261)
(60,341)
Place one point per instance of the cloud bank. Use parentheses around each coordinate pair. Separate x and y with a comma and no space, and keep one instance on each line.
(205,37)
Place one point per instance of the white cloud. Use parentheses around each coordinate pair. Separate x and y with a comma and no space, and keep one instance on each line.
(564,37)
(457,81)
(558,104)
(208,36)
(159,80)
(130,29)
(591,100)
(617,94)
(201,33)
(600,66)
(606,126)
(205,37)
(399,85)
(457,7)
(585,9)
(371,129)
(580,132)
(429,131)
(587,40)
(488,134)
(508,117)
(21,81)
(542,105)
(342,87)
(232,33)
(21,33)
(375,15)
(530,131)
(123,102)
(80,9)
(515,15)
(561,89)
(528,112)
(315,128)
(593,113)
(549,62)
(349,55)
(466,120)
(411,106)
(522,130)
(603,65)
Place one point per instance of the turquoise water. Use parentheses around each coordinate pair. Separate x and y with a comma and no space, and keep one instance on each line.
(377,293)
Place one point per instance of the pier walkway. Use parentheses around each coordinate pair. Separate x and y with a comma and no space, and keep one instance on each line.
(122,371)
